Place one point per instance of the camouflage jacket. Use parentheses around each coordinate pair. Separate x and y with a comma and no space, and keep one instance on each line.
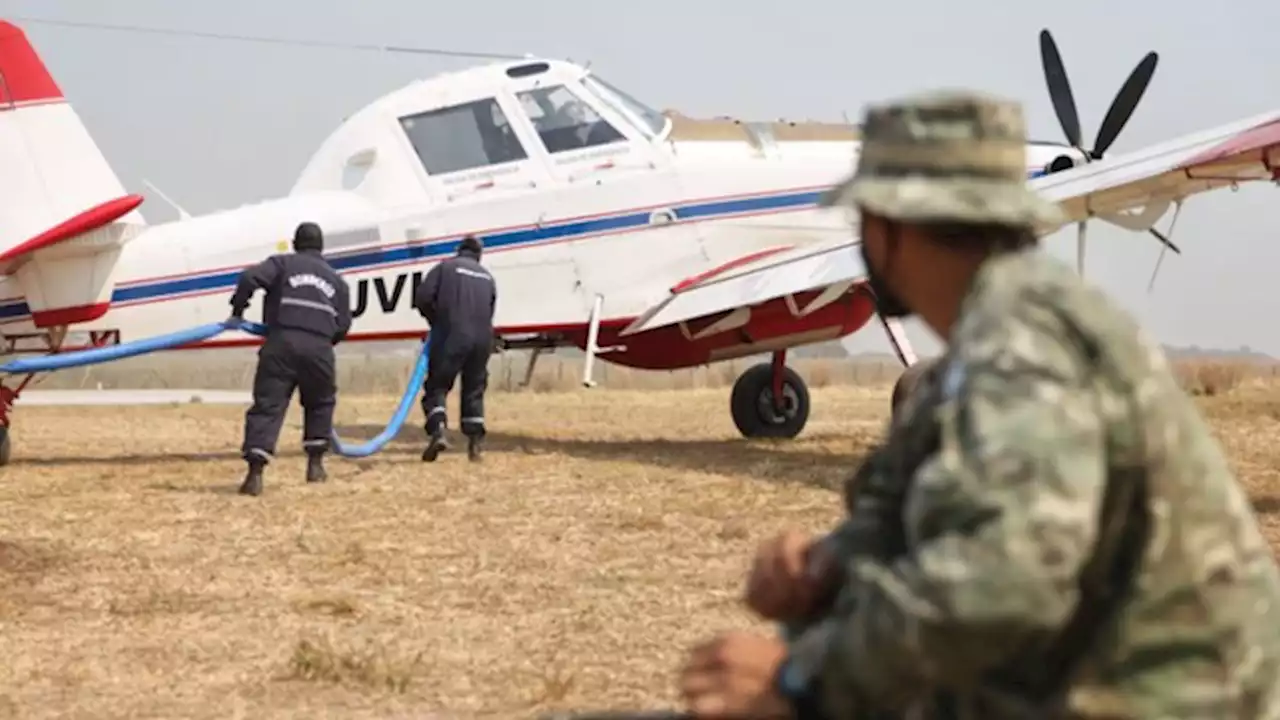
(968,530)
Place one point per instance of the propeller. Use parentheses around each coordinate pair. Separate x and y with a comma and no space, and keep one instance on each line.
(1122,107)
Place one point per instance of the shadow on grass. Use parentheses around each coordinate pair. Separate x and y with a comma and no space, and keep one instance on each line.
(128,460)
(786,461)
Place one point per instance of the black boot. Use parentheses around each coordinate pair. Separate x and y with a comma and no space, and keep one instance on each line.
(474,447)
(252,484)
(315,468)
(437,445)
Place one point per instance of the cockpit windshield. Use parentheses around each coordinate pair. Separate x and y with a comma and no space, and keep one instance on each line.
(651,121)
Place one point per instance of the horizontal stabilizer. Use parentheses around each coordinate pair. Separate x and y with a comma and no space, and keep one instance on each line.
(77,225)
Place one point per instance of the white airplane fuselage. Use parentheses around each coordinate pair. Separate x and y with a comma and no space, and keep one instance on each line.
(671,198)
(650,239)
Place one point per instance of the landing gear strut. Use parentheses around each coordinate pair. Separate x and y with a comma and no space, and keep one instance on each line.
(913,368)
(7,397)
(770,400)
(4,445)
(48,341)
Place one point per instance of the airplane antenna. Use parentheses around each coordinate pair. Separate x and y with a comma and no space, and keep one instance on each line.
(416,50)
(183,214)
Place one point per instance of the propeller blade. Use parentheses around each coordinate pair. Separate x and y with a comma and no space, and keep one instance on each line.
(1165,244)
(1124,103)
(1159,259)
(1055,76)
(1080,238)
(1164,241)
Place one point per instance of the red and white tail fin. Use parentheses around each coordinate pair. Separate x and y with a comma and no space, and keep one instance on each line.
(62,208)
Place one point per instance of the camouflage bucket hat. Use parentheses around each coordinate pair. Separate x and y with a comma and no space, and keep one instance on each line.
(945,156)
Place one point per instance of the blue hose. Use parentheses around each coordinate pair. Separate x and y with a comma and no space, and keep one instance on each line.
(111,353)
(398,419)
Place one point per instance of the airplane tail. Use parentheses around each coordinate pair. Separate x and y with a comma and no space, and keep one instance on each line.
(63,212)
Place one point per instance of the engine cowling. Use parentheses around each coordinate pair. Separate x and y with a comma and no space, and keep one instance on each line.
(1060,163)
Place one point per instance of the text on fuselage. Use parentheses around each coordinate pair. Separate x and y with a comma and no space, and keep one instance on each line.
(390,293)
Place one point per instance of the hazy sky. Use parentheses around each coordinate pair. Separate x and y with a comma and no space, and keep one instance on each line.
(216,123)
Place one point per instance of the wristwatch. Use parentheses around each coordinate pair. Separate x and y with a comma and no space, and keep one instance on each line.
(800,690)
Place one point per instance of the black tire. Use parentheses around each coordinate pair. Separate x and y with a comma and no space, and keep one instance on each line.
(751,404)
(4,446)
(906,384)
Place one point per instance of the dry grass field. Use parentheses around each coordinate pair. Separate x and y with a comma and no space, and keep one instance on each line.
(606,531)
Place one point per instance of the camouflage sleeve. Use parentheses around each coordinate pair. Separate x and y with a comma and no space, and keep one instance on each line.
(873,499)
(998,524)
(874,494)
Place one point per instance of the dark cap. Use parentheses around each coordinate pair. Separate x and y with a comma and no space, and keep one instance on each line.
(471,245)
(308,236)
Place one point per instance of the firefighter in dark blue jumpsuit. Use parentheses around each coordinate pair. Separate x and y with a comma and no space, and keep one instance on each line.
(457,297)
(307,310)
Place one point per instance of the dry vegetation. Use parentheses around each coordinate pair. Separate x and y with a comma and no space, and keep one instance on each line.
(606,532)
(365,372)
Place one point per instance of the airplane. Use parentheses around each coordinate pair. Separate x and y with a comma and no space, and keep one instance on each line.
(647,239)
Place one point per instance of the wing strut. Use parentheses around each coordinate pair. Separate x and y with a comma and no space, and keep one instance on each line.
(593,338)
(898,339)
(533,365)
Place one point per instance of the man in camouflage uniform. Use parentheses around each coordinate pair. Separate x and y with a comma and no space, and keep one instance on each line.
(1050,529)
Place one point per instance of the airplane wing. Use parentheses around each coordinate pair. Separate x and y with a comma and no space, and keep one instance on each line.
(1156,177)
(1151,179)
(831,264)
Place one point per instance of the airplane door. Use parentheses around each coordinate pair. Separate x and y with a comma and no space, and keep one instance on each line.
(582,138)
(613,192)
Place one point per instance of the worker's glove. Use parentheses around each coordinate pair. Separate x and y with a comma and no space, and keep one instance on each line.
(235,319)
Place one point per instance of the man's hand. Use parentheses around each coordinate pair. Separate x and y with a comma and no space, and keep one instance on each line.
(734,676)
(789,575)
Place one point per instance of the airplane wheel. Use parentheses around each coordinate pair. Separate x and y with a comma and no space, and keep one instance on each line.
(752,406)
(4,445)
(907,383)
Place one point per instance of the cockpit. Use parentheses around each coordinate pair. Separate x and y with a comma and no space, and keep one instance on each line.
(561,108)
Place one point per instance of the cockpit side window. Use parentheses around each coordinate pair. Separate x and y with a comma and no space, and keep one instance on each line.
(463,137)
(564,122)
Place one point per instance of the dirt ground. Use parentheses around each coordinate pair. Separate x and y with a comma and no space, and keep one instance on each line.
(605,533)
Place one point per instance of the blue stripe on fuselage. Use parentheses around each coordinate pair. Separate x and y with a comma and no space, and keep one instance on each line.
(360,260)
